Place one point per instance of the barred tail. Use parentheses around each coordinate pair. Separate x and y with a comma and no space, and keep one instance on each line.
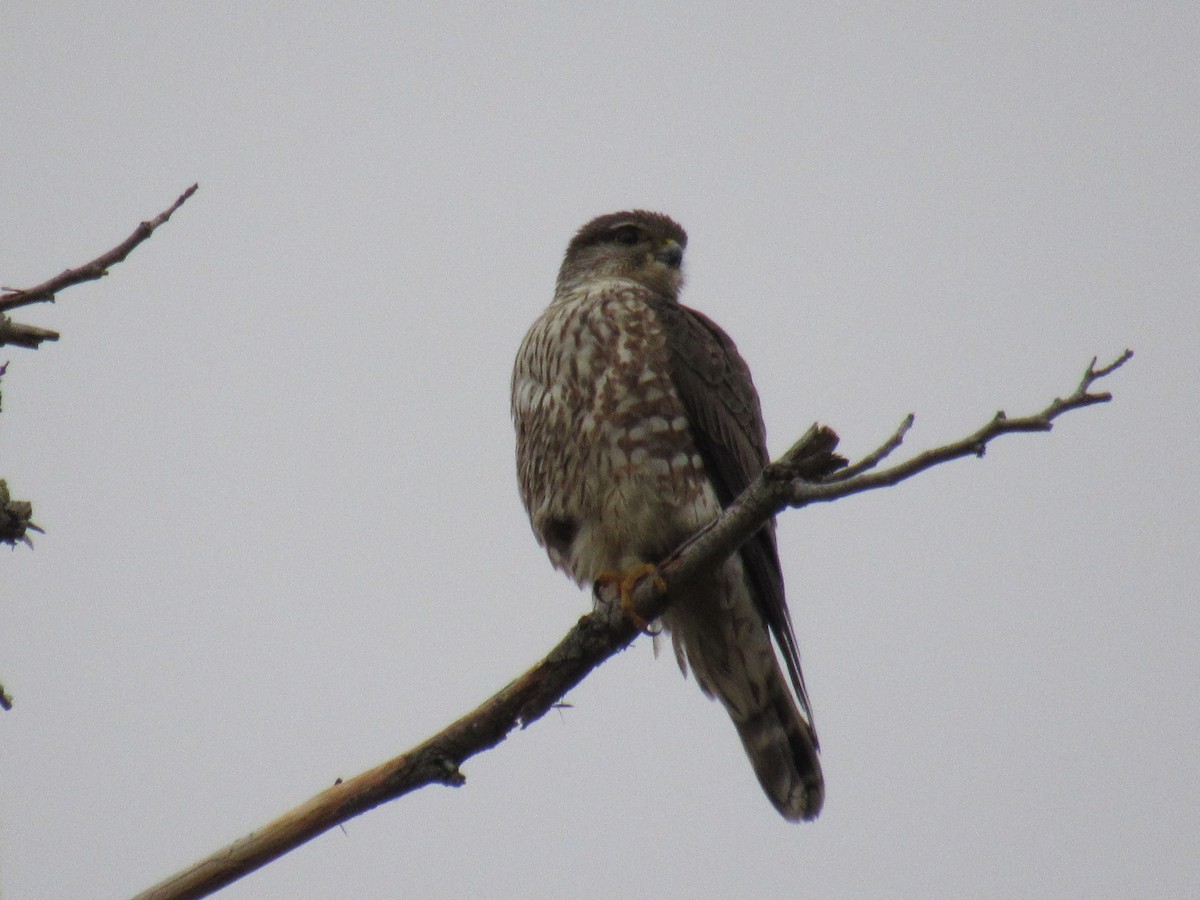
(780,745)
(719,634)
(733,661)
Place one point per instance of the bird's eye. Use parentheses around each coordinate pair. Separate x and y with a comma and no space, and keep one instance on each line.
(627,234)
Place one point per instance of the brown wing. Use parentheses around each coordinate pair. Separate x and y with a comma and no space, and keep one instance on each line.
(723,410)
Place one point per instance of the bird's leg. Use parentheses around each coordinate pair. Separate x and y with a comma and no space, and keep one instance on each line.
(626,581)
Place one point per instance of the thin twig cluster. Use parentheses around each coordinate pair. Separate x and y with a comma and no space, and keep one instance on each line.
(16,515)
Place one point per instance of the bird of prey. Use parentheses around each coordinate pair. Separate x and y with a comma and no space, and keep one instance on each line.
(637,422)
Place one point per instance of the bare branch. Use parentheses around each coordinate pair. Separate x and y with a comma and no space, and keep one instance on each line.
(19,335)
(801,493)
(884,450)
(807,473)
(29,336)
(15,515)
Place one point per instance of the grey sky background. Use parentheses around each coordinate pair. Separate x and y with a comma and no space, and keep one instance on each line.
(273,456)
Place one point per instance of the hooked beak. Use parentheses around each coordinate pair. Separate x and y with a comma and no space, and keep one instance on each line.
(670,253)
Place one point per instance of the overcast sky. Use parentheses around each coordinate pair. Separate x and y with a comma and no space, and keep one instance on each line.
(273,457)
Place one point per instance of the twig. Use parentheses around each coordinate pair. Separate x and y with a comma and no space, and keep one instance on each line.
(596,637)
(29,336)
(19,335)
(875,457)
(802,493)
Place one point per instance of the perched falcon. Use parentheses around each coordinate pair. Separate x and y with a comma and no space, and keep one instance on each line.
(636,423)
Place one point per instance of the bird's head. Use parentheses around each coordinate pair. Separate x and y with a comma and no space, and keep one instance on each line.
(645,247)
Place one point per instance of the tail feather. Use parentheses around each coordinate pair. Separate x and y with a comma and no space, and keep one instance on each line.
(781,748)
(718,633)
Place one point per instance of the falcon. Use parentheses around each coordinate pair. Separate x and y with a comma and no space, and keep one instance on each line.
(637,422)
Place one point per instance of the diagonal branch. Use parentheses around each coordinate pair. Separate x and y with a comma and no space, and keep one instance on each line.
(806,474)
(30,336)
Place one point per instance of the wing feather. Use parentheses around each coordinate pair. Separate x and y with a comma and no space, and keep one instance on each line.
(725,416)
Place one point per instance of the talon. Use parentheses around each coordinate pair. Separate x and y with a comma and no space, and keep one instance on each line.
(626,582)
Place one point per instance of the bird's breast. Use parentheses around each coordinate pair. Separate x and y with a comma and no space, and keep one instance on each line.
(608,469)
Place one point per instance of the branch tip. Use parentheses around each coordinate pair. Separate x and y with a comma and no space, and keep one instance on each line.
(45,292)
(1093,373)
(880,453)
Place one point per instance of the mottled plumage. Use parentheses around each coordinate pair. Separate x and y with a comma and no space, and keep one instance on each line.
(637,421)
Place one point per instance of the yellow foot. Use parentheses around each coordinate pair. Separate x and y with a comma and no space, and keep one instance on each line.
(626,581)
